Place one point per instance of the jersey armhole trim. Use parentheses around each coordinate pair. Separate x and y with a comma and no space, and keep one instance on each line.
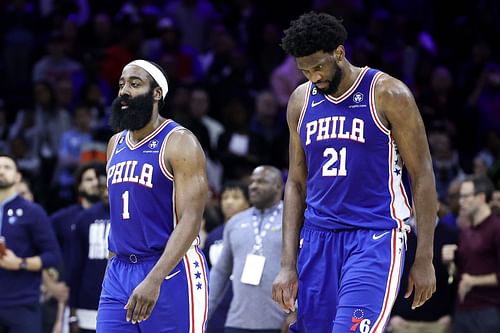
(304,107)
(373,109)
(161,156)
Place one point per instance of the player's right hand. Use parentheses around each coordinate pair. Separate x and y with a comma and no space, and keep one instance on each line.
(142,301)
(285,288)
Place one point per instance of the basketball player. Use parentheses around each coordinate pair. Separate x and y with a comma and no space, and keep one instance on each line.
(356,134)
(157,279)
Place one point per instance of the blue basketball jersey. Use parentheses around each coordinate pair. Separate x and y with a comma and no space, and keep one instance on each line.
(141,194)
(355,173)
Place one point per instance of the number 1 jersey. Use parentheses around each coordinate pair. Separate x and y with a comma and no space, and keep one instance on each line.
(141,194)
(356,178)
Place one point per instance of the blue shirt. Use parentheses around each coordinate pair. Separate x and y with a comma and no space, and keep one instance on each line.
(27,233)
(141,194)
(62,222)
(355,175)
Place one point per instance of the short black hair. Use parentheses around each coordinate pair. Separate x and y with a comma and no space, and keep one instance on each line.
(235,185)
(482,184)
(11,157)
(99,167)
(313,32)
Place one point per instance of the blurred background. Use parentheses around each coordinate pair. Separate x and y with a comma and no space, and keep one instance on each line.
(229,83)
(230,80)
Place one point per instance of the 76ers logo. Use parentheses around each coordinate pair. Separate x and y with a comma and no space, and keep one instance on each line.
(358,319)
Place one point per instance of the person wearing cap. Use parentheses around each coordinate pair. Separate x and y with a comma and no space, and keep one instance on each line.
(156,280)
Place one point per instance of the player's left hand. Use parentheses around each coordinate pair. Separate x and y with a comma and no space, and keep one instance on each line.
(423,279)
(142,301)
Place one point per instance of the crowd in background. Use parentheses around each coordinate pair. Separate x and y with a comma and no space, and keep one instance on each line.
(229,80)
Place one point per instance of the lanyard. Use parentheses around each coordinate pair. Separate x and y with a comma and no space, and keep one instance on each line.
(261,229)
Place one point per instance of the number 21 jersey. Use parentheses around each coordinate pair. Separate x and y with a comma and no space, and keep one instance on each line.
(356,178)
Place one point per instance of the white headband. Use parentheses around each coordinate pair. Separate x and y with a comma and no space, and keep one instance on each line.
(154,72)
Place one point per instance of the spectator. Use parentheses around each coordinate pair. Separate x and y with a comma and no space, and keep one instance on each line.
(185,59)
(31,247)
(56,65)
(69,152)
(451,210)
(233,199)
(63,220)
(477,261)
(199,107)
(89,258)
(268,124)
(238,151)
(252,261)
(445,161)
(208,131)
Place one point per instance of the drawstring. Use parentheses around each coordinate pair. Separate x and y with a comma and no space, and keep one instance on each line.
(405,230)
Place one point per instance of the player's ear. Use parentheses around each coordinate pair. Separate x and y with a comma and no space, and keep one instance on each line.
(157,94)
(339,53)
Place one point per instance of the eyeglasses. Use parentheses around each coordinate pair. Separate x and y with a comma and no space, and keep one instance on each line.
(466,195)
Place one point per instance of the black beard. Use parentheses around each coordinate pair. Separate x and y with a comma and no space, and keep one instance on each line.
(135,116)
(92,198)
(333,85)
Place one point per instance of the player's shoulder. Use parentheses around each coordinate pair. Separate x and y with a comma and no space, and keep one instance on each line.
(183,150)
(114,138)
(389,87)
(300,92)
(182,140)
(297,100)
(112,143)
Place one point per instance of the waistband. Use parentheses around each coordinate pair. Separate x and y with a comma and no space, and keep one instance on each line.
(310,226)
(134,259)
(405,228)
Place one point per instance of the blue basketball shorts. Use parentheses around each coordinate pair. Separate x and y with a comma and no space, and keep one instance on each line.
(348,280)
(181,307)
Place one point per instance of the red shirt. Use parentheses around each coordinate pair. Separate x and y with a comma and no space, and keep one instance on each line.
(479,254)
